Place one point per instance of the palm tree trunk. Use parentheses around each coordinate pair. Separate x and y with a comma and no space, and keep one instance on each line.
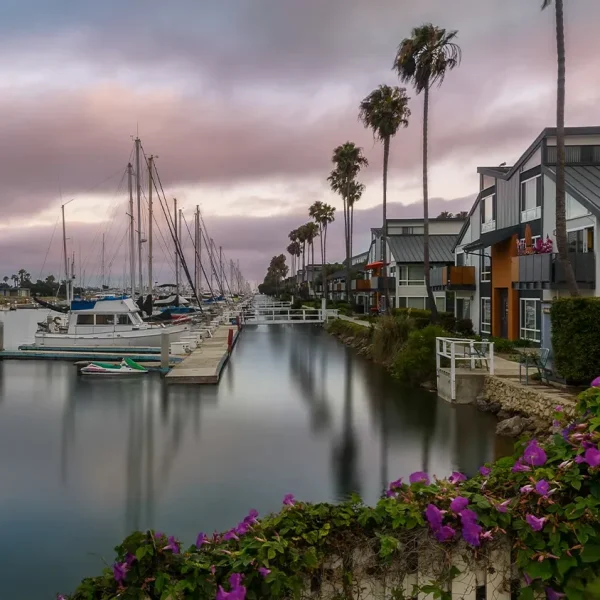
(322,258)
(384,270)
(347,236)
(432,305)
(561,222)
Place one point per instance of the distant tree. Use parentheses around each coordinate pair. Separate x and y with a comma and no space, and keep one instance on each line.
(22,273)
(424,59)
(312,232)
(384,111)
(51,280)
(6,279)
(15,279)
(463,214)
(323,214)
(445,215)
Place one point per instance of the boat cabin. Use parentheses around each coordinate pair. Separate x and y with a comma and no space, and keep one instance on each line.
(105,316)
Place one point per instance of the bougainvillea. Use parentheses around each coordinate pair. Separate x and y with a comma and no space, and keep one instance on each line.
(545,501)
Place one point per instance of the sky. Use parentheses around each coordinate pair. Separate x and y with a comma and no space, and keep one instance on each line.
(243,102)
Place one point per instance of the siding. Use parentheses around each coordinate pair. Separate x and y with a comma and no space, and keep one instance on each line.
(476,223)
(507,202)
(534,161)
(549,209)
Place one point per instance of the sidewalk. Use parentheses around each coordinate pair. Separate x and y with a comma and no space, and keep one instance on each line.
(353,320)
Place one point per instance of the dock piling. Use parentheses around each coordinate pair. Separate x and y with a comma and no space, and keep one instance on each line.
(164,350)
(1,336)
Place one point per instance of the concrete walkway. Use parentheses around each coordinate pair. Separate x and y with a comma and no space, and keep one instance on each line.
(354,320)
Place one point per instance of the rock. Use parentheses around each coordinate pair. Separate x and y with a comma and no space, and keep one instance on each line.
(512,427)
(487,405)
(504,414)
(429,386)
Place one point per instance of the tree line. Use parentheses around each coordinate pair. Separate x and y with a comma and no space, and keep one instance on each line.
(422,60)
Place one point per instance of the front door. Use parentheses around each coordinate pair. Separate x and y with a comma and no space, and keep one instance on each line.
(504,313)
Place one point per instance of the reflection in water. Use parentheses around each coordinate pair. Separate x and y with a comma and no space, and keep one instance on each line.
(296,411)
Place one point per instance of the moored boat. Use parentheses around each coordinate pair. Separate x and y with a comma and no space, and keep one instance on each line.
(127,367)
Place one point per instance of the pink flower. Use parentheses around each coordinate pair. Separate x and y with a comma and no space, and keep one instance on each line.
(535,523)
(264,572)
(396,484)
(553,594)
(526,489)
(231,535)
(520,467)
(120,572)
(485,471)
(596,382)
(173,545)
(565,464)
(457,477)
(289,500)
(201,539)
(503,506)
(486,535)
(434,515)
(558,408)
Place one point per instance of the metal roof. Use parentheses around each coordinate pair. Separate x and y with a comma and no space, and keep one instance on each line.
(583,183)
(409,248)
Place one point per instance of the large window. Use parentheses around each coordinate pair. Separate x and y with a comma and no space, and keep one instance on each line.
(105,319)
(486,268)
(440,303)
(123,319)
(463,308)
(530,319)
(488,213)
(460,259)
(574,209)
(85,319)
(412,275)
(486,315)
(581,240)
(531,199)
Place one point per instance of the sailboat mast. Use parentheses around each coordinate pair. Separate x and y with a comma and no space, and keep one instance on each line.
(138,184)
(196,252)
(221,271)
(102,261)
(65,255)
(150,217)
(131,231)
(179,238)
(176,228)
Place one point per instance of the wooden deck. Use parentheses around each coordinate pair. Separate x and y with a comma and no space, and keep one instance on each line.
(205,364)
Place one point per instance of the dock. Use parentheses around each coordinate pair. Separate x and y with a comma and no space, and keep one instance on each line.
(205,364)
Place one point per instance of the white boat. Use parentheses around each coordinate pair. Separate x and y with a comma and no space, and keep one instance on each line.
(110,322)
(127,367)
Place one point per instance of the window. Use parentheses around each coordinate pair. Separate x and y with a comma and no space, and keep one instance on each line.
(393,271)
(406,230)
(488,213)
(486,268)
(531,199)
(574,209)
(123,320)
(530,319)
(463,308)
(440,303)
(460,259)
(85,319)
(486,315)
(581,240)
(416,303)
(412,275)
(105,319)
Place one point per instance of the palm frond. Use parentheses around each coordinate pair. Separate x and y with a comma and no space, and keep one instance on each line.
(546,4)
(385,110)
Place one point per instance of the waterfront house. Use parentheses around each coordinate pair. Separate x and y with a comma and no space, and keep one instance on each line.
(406,270)
(12,292)
(509,241)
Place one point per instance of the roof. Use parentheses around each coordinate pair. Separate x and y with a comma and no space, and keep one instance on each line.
(409,248)
(583,183)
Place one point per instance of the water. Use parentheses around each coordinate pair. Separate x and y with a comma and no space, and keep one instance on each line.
(85,461)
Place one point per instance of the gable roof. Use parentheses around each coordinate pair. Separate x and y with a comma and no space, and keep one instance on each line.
(409,248)
(583,184)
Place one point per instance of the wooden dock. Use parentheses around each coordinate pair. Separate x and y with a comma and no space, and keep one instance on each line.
(205,364)
(73,355)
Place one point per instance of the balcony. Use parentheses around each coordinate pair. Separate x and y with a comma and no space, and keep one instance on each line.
(543,271)
(453,278)
(375,284)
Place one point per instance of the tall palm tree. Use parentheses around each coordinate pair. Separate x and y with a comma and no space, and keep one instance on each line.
(384,111)
(355,192)
(5,279)
(15,279)
(323,214)
(424,59)
(561,220)
(312,232)
(302,239)
(348,160)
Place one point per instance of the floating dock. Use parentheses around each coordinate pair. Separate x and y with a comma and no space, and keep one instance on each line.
(205,364)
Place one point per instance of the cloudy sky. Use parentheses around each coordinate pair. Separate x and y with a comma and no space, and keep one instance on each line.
(243,101)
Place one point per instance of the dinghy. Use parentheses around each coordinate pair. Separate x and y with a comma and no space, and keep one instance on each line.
(127,367)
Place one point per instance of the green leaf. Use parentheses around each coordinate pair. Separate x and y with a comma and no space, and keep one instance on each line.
(591,553)
(271,553)
(140,552)
(310,558)
(539,570)
(526,593)
(565,563)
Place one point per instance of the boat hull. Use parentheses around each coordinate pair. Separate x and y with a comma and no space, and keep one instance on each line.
(111,372)
(141,337)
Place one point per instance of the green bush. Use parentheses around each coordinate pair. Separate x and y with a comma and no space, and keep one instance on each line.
(464,327)
(421,317)
(340,327)
(415,363)
(576,338)
(447,321)
(391,333)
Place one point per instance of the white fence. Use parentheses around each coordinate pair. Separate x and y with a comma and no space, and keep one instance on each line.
(464,353)
(283,316)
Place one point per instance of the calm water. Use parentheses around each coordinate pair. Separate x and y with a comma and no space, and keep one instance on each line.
(85,461)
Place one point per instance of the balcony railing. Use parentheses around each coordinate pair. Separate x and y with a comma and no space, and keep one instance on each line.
(375,284)
(544,271)
(453,278)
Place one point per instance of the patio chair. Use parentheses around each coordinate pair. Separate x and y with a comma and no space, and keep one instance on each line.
(539,362)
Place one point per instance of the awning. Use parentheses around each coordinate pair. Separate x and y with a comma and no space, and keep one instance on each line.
(374,265)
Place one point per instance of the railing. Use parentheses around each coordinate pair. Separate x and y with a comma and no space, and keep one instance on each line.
(470,352)
(543,271)
(453,278)
(285,316)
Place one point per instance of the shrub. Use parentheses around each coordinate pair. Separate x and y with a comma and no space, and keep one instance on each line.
(447,321)
(415,363)
(421,317)
(576,338)
(390,334)
(343,328)
(464,327)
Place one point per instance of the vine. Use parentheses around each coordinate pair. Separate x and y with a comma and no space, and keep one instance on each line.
(544,502)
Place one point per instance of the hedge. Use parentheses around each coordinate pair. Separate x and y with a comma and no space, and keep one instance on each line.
(422,318)
(576,338)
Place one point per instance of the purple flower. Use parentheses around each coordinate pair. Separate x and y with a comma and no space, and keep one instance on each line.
(520,467)
(556,423)
(526,489)
(457,477)
(264,572)
(289,500)
(535,523)
(242,528)
(434,515)
(468,516)
(130,559)
(201,540)
(534,455)
(592,457)
(558,408)
(580,459)
(172,545)
(485,471)
(158,534)
(542,487)
(231,535)
(458,504)
(527,579)
(553,594)
(391,494)
(396,484)
(120,572)
(252,517)
(471,533)
(503,506)
(567,431)
(445,533)
(596,382)
(235,580)
(60,597)
(419,477)
(238,593)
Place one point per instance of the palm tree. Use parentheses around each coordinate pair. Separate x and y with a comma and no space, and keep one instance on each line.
(312,231)
(463,214)
(355,192)
(5,279)
(302,235)
(424,59)
(384,111)
(323,214)
(22,273)
(561,222)
(445,215)
(348,160)
(15,279)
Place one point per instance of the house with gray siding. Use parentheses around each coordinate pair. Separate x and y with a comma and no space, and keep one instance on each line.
(509,240)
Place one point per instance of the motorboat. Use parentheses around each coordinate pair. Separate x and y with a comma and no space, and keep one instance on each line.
(108,322)
(126,367)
